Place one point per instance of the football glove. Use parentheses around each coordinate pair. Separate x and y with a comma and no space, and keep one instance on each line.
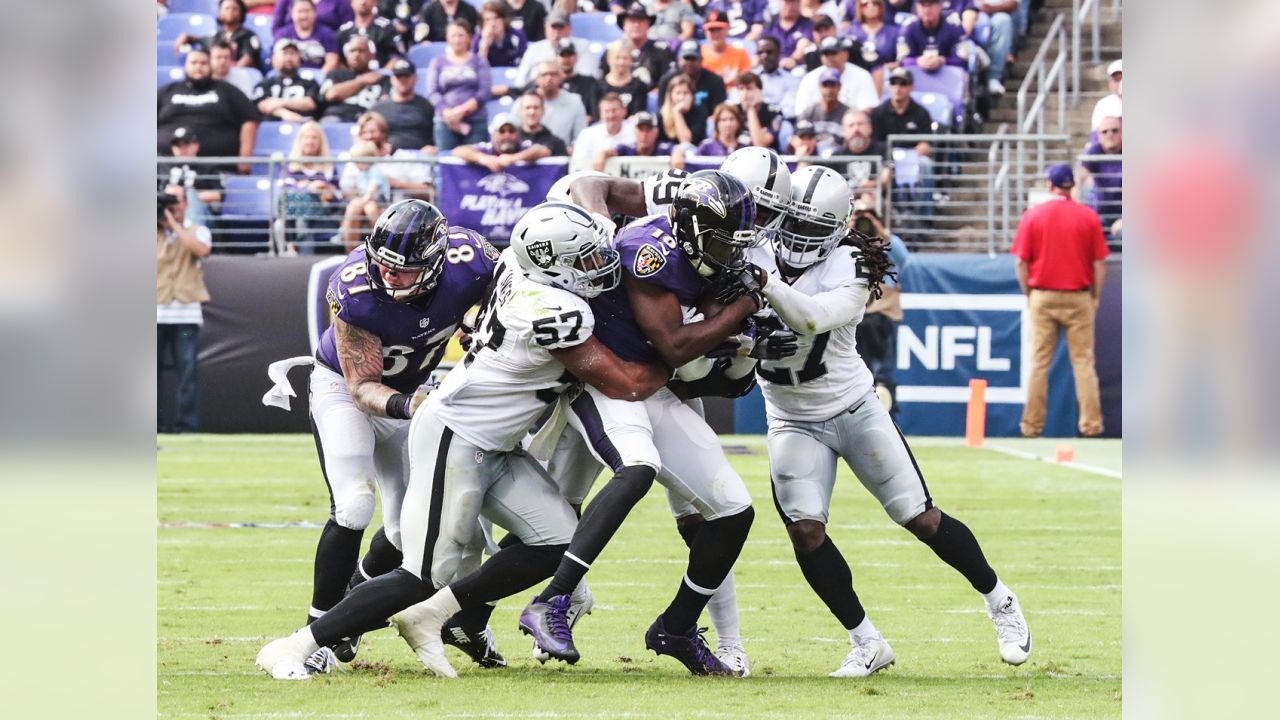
(748,281)
(778,344)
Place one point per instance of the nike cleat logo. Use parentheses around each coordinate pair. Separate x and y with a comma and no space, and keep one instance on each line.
(1027,647)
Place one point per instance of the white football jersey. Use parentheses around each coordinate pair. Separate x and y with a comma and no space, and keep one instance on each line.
(510,376)
(826,374)
(660,190)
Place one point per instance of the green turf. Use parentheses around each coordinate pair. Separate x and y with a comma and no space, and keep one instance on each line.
(1053,534)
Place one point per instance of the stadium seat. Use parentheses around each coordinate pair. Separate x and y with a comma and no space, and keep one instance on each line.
(261,26)
(420,84)
(500,105)
(499,75)
(313,74)
(948,81)
(341,136)
(169,27)
(745,44)
(598,26)
(422,55)
(166,56)
(204,7)
(166,75)
(246,196)
(938,106)
(274,139)
(651,102)
(906,167)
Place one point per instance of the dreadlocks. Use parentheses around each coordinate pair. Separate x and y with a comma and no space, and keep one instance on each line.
(873,262)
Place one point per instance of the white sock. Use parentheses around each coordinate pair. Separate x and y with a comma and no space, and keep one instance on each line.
(305,641)
(723,609)
(997,595)
(864,630)
(445,601)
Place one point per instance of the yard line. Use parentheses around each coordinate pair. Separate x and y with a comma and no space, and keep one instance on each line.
(1093,469)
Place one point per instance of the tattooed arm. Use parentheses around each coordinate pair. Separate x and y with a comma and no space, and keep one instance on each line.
(360,354)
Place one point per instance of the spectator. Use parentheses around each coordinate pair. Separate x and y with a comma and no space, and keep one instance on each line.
(900,114)
(611,131)
(930,42)
(728,127)
(202,184)
(402,14)
(876,336)
(531,107)
(180,291)
(557,28)
(406,179)
(650,60)
(497,42)
(803,142)
(436,17)
(857,135)
(857,89)
(366,189)
(1061,267)
(317,43)
(222,67)
(225,120)
(581,85)
(683,121)
(1107,193)
(828,113)
(708,89)
(1000,43)
(351,90)
(331,14)
(672,19)
(309,185)
(718,56)
(284,95)
(410,117)
(619,80)
(816,9)
(1110,105)
(874,38)
(823,28)
(746,17)
(529,17)
(504,149)
(646,142)
(565,114)
(764,123)
(380,31)
(458,87)
(962,13)
(780,86)
(246,47)
(793,31)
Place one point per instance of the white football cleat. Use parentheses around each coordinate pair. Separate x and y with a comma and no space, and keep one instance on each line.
(867,656)
(285,658)
(1011,631)
(420,625)
(735,658)
(581,600)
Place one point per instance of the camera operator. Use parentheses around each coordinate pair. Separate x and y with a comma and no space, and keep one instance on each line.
(878,332)
(180,291)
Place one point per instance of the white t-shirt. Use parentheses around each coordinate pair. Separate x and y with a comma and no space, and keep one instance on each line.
(594,139)
(857,89)
(177,313)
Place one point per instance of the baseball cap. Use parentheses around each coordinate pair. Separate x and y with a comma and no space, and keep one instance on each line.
(928,2)
(557,17)
(829,75)
(902,75)
(403,68)
(182,135)
(502,119)
(830,45)
(1061,176)
(644,118)
(804,127)
(637,10)
(690,49)
(284,43)
(1114,68)
(716,19)
(565,46)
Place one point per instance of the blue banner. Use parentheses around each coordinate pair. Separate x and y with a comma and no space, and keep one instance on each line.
(492,202)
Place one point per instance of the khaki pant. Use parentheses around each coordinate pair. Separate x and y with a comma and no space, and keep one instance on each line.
(1052,312)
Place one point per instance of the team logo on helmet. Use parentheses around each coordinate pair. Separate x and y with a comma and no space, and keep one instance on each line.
(540,253)
(503,184)
(704,193)
(649,260)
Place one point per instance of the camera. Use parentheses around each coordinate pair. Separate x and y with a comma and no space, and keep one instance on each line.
(164,201)
(863,212)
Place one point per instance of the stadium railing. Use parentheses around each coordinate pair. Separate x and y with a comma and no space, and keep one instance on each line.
(1086,11)
(1047,74)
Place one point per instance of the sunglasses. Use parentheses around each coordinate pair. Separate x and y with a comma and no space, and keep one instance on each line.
(899,81)
(1109,131)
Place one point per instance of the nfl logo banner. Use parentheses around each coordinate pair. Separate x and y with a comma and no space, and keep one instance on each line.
(491,203)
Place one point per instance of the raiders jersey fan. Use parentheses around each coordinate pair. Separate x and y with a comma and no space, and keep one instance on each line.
(381,32)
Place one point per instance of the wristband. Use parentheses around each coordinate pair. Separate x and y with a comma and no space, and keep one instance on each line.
(398,406)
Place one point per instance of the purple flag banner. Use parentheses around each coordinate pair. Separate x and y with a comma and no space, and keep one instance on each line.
(492,202)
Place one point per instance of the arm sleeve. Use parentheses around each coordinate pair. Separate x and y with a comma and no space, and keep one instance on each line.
(814,314)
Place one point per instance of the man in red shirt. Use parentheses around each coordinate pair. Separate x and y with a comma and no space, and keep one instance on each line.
(1061,265)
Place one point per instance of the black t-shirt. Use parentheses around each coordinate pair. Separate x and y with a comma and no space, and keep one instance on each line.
(635,94)
(386,41)
(352,108)
(292,88)
(546,138)
(696,119)
(770,119)
(532,19)
(409,123)
(436,20)
(648,63)
(708,90)
(198,177)
(215,114)
(915,120)
(245,42)
(585,87)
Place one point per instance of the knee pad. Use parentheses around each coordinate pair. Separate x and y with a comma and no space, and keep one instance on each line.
(634,481)
(739,523)
(353,508)
(688,527)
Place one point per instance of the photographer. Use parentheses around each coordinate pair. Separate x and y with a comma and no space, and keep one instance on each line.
(180,291)
(878,332)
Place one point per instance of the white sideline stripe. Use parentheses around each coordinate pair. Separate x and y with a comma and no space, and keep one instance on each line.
(1082,467)
(950,301)
(959,394)
(197,525)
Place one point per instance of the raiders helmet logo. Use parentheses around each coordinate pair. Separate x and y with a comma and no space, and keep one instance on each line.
(540,253)
(649,260)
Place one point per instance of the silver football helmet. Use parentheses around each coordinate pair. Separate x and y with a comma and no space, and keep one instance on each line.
(769,179)
(562,245)
(817,217)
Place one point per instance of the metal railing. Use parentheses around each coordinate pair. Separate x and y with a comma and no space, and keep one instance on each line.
(1047,73)
(1082,11)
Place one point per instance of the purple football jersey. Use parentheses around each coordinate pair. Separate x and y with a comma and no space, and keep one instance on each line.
(650,254)
(414,334)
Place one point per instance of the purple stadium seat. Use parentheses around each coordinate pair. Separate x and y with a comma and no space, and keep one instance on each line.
(166,56)
(246,196)
(598,26)
(313,74)
(168,74)
(502,75)
(261,26)
(948,81)
(274,138)
(169,27)
(421,55)
(939,108)
(501,105)
(341,136)
(204,7)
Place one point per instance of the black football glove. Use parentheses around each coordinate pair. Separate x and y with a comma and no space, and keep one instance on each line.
(777,345)
(747,281)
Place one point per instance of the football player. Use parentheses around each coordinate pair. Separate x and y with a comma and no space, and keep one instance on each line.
(821,404)
(537,341)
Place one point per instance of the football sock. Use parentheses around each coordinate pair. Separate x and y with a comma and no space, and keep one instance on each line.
(829,576)
(600,520)
(512,569)
(723,609)
(472,618)
(955,544)
(997,595)
(336,556)
(381,558)
(864,630)
(367,607)
(712,554)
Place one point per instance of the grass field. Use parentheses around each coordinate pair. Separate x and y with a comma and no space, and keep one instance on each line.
(1052,533)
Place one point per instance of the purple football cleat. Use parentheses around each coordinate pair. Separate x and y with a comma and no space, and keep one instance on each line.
(548,623)
(689,649)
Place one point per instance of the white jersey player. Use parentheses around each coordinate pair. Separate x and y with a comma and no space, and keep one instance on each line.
(821,406)
(536,342)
